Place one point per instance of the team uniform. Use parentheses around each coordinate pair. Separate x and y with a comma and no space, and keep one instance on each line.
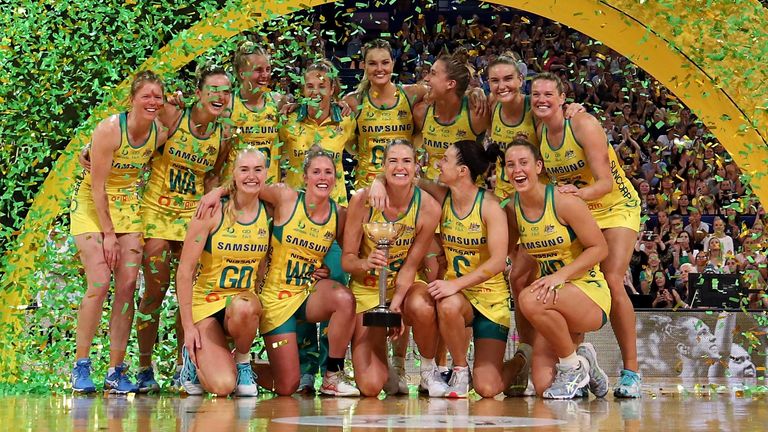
(122,187)
(465,241)
(376,128)
(502,134)
(554,245)
(365,288)
(257,128)
(297,249)
(567,164)
(300,133)
(229,263)
(438,136)
(176,181)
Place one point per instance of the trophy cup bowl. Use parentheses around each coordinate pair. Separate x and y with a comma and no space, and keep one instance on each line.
(384,234)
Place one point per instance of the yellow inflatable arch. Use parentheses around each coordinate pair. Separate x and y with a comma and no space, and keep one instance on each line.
(696,49)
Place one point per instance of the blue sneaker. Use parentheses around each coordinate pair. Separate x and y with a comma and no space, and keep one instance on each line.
(188,375)
(145,379)
(246,381)
(629,385)
(118,382)
(81,377)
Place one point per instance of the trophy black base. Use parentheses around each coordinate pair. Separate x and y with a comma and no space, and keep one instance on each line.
(381,317)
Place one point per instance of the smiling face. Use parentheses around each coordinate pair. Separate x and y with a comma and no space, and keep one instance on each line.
(449,166)
(319,87)
(437,80)
(320,176)
(522,168)
(400,166)
(546,98)
(148,100)
(215,94)
(249,172)
(378,66)
(256,73)
(505,82)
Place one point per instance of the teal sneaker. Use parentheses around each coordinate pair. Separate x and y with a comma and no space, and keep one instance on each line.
(188,375)
(246,381)
(81,377)
(629,385)
(118,382)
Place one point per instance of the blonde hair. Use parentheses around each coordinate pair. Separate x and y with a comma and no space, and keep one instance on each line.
(244,50)
(365,83)
(326,67)
(230,213)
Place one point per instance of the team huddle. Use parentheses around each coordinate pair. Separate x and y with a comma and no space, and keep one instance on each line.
(246,193)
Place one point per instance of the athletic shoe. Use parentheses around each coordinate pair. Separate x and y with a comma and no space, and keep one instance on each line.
(145,379)
(81,377)
(598,380)
(629,385)
(460,384)
(445,375)
(568,381)
(337,384)
(396,382)
(188,375)
(176,379)
(519,383)
(118,382)
(246,381)
(432,383)
(306,384)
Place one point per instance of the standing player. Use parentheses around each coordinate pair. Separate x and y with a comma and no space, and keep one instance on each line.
(105,221)
(577,155)
(197,147)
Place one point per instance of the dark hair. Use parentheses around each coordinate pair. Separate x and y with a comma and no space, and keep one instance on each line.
(472,155)
(146,76)
(457,69)
(244,50)
(206,69)
(315,152)
(365,84)
(398,142)
(548,76)
(522,142)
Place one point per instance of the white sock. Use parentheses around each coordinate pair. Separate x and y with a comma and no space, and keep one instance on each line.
(426,364)
(242,357)
(525,349)
(442,369)
(572,361)
(398,361)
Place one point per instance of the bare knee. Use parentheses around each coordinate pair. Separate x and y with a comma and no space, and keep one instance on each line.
(370,387)
(221,384)
(530,306)
(420,308)
(450,307)
(487,389)
(286,386)
(245,308)
(344,300)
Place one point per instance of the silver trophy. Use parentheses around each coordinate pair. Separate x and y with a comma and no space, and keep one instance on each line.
(384,234)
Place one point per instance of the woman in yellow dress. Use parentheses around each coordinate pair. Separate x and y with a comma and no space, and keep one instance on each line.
(578,157)
(106,224)
(219,300)
(570,296)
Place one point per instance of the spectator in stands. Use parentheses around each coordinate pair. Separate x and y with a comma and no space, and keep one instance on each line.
(716,255)
(681,206)
(682,285)
(649,272)
(681,250)
(675,228)
(696,227)
(662,224)
(726,241)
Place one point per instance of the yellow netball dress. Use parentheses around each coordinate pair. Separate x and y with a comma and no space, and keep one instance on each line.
(438,136)
(376,128)
(176,181)
(297,250)
(465,241)
(256,128)
(554,245)
(121,186)
(366,288)
(567,164)
(502,134)
(300,133)
(230,262)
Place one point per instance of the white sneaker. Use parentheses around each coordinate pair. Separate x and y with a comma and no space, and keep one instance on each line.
(432,383)
(337,384)
(396,382)
(460,384)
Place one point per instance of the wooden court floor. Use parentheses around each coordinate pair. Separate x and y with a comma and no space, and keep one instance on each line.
(667,405)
